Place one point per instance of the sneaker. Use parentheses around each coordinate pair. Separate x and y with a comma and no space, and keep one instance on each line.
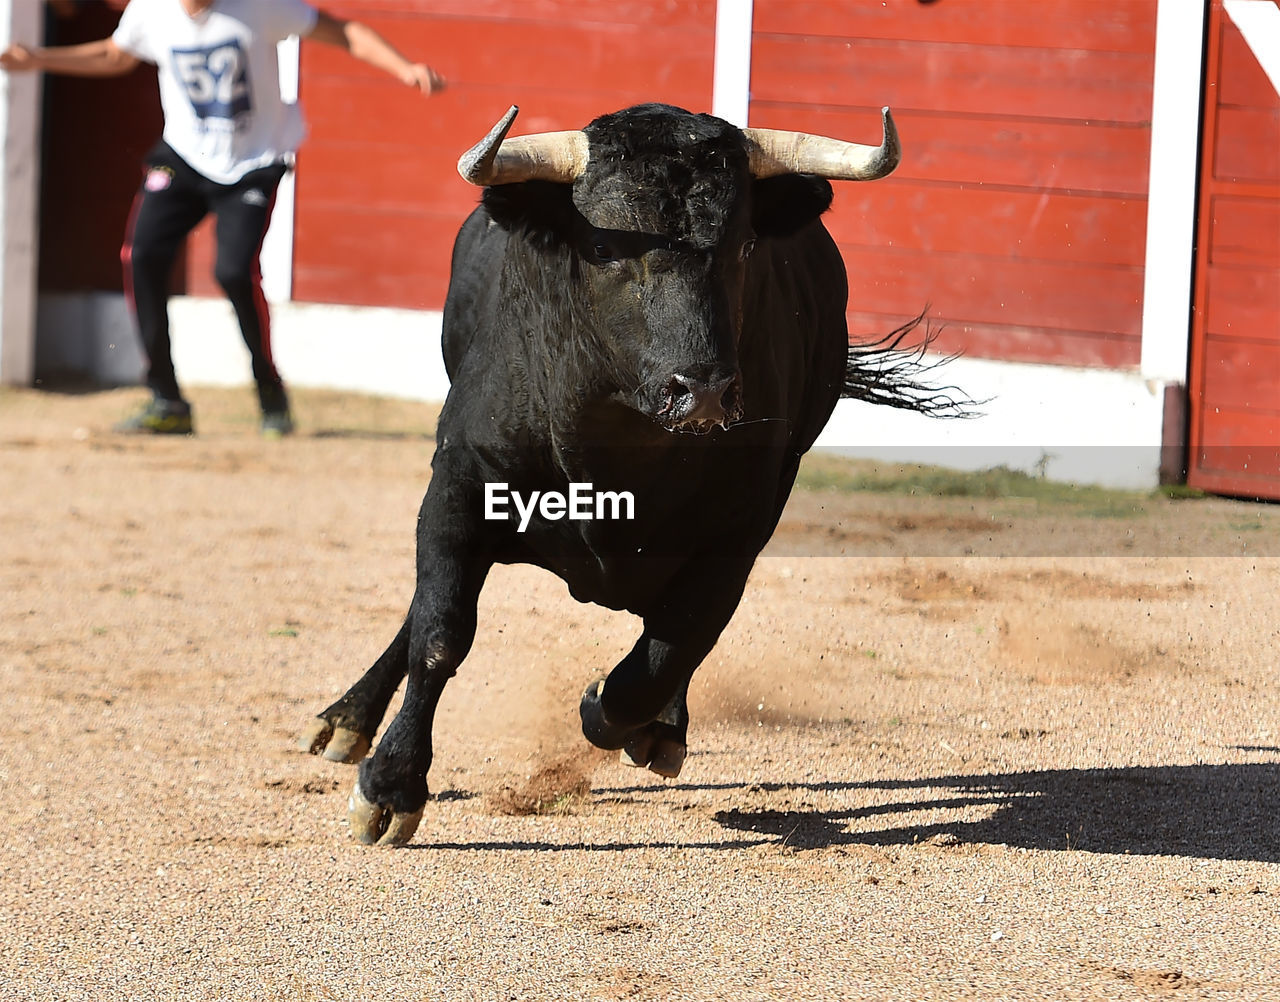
(159,417)
(277,424)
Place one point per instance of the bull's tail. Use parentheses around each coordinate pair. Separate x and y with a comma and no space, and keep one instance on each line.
(892,372)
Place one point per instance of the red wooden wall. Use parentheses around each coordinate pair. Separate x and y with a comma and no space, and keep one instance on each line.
(1234,383)
(379,198)
(1019,210)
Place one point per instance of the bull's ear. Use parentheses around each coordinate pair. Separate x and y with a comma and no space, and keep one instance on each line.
(785,204)
(543,210)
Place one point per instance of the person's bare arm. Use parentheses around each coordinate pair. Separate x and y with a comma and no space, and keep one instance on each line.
(102,58)
(368,46)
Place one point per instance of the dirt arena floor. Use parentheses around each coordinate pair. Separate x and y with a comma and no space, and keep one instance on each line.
(951,747)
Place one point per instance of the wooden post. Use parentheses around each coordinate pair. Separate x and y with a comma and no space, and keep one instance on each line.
(19,198)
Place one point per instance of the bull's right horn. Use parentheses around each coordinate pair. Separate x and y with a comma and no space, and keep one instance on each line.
(546,156)
(773,152)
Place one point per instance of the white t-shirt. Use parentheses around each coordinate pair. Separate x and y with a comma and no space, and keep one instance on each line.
(220,79)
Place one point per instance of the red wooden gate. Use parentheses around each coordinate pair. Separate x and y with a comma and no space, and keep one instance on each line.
(1234,382)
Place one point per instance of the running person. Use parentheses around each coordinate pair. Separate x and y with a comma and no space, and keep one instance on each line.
(228,140)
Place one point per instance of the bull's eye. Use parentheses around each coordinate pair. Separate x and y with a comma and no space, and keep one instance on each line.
(603,252)
(747,247)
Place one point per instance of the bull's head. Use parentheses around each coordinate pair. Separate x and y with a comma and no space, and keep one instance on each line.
(661,209)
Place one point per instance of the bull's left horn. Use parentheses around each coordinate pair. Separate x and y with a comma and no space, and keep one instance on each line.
(772,152)
(547,156)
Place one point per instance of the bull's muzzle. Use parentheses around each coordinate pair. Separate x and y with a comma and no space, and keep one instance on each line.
(694,402)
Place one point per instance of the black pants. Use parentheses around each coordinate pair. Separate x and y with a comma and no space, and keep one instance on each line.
(173,199)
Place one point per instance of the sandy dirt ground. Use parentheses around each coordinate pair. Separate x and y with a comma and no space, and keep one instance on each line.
(948,748)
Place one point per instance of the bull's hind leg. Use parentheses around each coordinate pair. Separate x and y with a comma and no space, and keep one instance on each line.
(640,707)
(344,732)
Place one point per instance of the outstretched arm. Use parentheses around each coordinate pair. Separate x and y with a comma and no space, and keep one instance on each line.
(368,46)
(102,58)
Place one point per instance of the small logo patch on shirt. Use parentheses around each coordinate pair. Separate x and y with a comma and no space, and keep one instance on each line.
(158,179)
(253,197)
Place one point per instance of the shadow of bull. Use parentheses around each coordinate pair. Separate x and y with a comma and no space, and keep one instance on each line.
(1224,812)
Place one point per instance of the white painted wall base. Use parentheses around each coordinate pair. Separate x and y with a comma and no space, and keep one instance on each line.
(366,350)
(87,335)
(1083,425)
(1088,426)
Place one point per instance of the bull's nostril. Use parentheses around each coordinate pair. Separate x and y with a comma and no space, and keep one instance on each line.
(689,399)
(679,387)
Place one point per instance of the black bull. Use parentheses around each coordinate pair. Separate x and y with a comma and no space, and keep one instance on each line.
(653,308)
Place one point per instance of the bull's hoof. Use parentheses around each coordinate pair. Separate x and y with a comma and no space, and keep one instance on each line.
(377,824)
(316,737)
(595,728)
(668,758)
(635,752)
(662,755)
(337,744)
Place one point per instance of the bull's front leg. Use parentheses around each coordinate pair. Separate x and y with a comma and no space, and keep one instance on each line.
(387,802)
(640,707)
(662,745)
